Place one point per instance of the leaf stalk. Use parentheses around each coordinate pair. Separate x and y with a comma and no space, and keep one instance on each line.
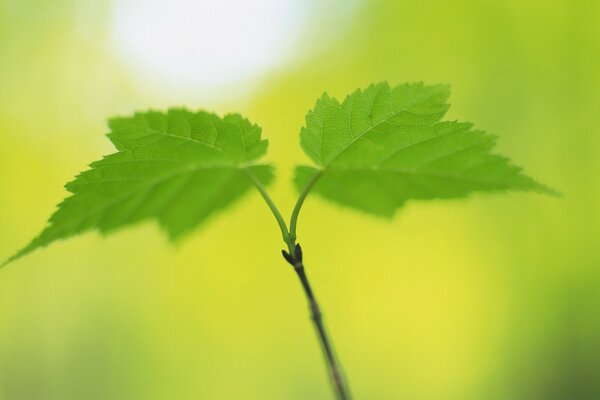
(294,219)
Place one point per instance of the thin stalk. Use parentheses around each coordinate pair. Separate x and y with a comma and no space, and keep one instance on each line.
(272,206)
(298,206)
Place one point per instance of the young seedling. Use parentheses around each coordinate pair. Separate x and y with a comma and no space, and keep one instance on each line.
(374,151)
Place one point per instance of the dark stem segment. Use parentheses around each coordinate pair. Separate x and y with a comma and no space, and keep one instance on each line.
(337,380)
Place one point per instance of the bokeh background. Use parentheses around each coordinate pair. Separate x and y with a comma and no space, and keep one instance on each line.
(490,298)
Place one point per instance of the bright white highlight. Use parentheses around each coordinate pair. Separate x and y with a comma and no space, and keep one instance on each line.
(206,43)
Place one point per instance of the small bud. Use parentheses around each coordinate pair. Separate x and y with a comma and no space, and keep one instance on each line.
(298,252)
(288,257)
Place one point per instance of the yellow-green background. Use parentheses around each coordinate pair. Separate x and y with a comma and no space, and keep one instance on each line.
(490,298)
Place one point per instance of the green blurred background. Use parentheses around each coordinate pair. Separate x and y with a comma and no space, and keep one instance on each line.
(490,298)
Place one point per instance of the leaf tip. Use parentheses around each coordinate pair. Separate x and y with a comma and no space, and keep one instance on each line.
(549,191)
(15,256)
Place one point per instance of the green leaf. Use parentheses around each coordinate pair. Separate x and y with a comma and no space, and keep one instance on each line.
(178,168)
(383,146)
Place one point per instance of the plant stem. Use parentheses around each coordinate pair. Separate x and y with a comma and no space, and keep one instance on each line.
(340,387)
(294,257)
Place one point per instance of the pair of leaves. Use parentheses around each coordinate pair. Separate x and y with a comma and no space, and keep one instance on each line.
(374,151)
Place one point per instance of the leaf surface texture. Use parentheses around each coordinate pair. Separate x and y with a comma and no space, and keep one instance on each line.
(177,167)
(383,146)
